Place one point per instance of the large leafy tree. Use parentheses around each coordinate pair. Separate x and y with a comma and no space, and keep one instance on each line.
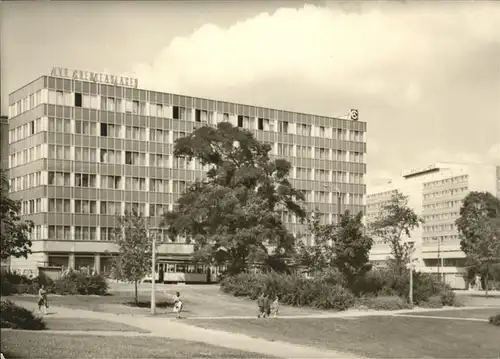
(235,212)
(479,229)
(14,232)
(393,225)
(135,246)
(343,247)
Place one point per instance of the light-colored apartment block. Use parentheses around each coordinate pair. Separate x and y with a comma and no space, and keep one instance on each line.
(436,194)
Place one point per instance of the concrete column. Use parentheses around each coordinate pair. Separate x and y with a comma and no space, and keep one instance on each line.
(71,261)
(97,263)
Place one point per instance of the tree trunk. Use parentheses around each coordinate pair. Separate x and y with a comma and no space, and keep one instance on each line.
(136,296)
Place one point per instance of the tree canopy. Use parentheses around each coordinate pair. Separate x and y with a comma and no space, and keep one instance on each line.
(393,223)
(237,208)
(479,229)
(14,232)
(343,247)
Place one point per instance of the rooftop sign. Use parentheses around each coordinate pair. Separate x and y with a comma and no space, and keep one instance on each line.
(94,77)
(415,171)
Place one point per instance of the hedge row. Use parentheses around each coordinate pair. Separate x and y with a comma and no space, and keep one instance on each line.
(378,289)
(72,283)
(292,289)
(15,317)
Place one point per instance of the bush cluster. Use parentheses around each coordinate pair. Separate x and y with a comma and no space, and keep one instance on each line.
(15,317)
(383,302)
(292,289)
(379,289)
(495,319)
(73,283)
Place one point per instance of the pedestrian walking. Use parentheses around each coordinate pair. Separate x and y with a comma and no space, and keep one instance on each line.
(260,305)
(275,306)
(178,305)
(267,305)
(42,299)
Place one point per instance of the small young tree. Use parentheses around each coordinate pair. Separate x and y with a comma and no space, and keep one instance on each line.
(14,233)
(135,247)
(395,221)
(479,229)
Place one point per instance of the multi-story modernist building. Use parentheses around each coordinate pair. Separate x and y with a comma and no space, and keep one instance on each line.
(436,194)
(83,151)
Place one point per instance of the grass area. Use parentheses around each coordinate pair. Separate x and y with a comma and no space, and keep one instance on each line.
(483,313)
(70,324)
(376,337)
(24,344)
(199,300)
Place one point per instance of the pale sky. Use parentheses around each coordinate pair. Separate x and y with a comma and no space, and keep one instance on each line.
(425,76)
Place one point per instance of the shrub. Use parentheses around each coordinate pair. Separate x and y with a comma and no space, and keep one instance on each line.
(80,283)
(495,319)
(292,289)
(383,303)
(15,317)
(433,302)
(19,284)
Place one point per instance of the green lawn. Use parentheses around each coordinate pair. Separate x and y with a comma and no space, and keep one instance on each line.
(483,313)
(70,324)
(199,300)
(25,344)
(376,337)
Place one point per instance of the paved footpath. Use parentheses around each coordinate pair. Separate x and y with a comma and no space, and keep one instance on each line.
(175,329)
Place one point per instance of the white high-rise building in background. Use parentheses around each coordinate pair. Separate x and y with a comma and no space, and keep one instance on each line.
(436,194)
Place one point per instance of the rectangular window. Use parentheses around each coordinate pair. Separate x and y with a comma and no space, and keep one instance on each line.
(85,233)
(179,186)
(107,234)
(111,182)
(59,205)
(78,99)
(135,184)
(59,233)
(59,125)
(135,207)
(85,180)
(157,160)
(85,207)
(180,162)
(111,208)
(59,179)
(283,126)
(59,152)
(85,154)
(85,127)
(158,185)
(135,158)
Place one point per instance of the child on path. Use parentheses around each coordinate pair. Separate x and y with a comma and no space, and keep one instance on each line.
(42,299)
(275,307)
(178,305)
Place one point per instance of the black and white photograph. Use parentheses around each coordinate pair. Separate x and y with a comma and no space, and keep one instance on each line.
(249,179)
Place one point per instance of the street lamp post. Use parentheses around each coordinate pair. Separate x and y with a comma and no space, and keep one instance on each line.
(153,276)
(410,265)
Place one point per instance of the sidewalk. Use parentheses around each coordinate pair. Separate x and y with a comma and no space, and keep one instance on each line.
(176,329)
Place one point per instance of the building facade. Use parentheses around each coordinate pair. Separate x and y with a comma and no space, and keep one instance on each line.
(83,152)
(436,194)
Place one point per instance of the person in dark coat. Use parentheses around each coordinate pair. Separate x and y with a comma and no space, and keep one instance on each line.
(261,305)
(267,305)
